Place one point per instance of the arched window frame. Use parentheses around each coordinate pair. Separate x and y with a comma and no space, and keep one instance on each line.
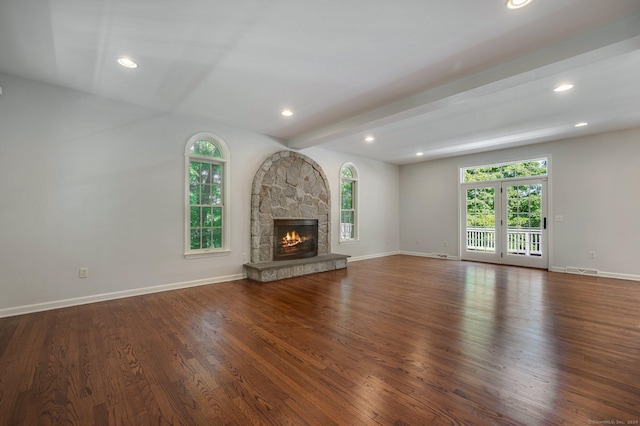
(223,161)
(348,232)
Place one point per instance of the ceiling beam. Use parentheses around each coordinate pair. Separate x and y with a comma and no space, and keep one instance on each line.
(604,43)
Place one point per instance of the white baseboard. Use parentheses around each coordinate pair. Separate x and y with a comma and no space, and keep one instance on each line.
(442,256)
(630,277)
(372,256)
(602,274)
(56,304)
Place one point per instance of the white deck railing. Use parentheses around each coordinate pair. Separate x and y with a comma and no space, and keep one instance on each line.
(519,241)
(346,231)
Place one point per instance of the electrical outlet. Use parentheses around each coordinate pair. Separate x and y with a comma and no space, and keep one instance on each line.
(558,218)
(444,244)
(83,273)
(592,255)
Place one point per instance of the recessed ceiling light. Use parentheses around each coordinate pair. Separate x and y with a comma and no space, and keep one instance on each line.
(419,154)
(517,4)
(369,139)
(127,62)
(287,112)
(581,124)
(563,87)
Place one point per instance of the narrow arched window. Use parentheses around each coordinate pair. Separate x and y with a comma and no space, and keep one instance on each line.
(206,195)
(348,203)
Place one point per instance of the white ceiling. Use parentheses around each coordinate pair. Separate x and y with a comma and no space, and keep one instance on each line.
(443,78)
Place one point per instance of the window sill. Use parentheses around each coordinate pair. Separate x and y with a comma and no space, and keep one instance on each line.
(205,254)
(345,242)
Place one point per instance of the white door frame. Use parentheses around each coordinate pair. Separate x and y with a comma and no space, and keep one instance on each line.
(500,254)
(531,261)
(492,257)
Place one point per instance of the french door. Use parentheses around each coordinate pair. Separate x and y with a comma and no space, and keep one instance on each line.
(505,222)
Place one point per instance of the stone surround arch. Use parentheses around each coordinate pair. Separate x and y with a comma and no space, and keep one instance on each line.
(288,185)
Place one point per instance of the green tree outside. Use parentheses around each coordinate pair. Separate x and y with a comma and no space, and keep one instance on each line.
(205,198)
(523,201)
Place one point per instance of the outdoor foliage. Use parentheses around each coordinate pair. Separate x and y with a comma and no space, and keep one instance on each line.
(205,149)
(523,201)
(347,211)
(346,195)
(481,208)
(505,171)
(523,206)
(205,200)
(347,202)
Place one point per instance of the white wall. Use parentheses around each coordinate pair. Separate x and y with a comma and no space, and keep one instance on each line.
(378,203)
(594,186)
(90,182)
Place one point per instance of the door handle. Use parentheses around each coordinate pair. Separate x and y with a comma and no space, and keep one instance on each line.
(545,223)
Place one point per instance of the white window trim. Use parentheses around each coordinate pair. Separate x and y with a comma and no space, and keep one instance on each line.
(224,160)
(356,209)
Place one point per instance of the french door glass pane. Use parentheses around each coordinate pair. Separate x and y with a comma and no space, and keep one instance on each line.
(481,226)
(524,227)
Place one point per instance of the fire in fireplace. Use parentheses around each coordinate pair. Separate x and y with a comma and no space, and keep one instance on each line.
(295,238)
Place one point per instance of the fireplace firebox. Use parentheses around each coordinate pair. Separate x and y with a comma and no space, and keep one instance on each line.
(295,238)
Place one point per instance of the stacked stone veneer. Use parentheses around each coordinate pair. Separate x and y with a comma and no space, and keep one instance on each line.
(288,185)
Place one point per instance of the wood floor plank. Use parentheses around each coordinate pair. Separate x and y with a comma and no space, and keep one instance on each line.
(397,340)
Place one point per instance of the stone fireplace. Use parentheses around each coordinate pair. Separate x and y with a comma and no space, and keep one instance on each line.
(290,186)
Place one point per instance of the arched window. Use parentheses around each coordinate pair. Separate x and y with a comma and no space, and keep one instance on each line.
(348,203)
(206,195)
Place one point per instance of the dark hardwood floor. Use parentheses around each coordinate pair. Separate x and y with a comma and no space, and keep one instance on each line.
(397,340)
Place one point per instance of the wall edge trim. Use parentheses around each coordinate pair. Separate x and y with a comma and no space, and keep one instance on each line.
(85,300)
(431,255)
(372,256)
(601,274)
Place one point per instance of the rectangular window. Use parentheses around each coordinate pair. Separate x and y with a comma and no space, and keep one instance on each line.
(348,203)
(347,210)
(520,169)
(205,205)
